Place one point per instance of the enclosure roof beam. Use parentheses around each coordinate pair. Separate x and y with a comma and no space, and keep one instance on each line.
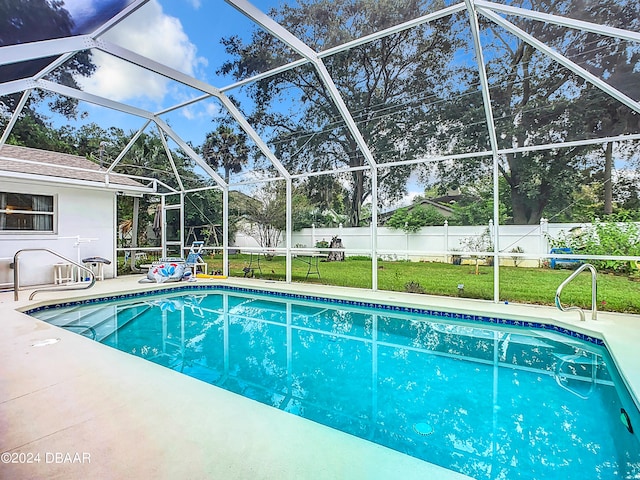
(505,151)
(23,52)
(91,98)
(167,150)
(393,30)
(117,18)
(124,151)
(346,46)
(267,74)
(16,86)
(14,117)
(154,66)
(277,30)
(561,59)
(186,103)
(344,111)
(95,99)
(190,152)
(274,28)
(575,143)
(248,129)
(561,21)
(185,79)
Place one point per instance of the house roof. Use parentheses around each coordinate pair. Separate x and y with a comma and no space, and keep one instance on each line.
(50,166)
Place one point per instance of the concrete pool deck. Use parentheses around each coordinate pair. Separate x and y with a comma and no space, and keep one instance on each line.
(79,409)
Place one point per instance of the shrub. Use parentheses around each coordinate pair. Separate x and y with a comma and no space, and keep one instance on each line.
(604,238)
(413,287)
(517,260)
(413,219)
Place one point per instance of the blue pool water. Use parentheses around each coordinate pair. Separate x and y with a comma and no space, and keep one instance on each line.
(487,400)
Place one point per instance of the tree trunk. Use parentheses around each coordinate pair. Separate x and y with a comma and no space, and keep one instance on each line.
(526,211)
(608,185)
(357,198)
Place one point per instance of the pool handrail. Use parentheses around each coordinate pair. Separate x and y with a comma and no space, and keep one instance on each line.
(594,289)
(16,274)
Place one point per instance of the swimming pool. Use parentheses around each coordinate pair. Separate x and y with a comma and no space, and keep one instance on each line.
(483,398)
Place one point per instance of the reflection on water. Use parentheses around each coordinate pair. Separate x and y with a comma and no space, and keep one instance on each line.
(490,403)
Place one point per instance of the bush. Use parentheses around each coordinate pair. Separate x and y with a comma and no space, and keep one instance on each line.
(412,220)
(604,238)
(413,287)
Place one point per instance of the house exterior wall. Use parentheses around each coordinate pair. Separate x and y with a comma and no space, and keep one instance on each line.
(84,212)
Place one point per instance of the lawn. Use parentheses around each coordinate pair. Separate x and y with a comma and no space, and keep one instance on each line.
(616,293)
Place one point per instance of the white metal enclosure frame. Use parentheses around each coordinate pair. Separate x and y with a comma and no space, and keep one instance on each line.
(64,48)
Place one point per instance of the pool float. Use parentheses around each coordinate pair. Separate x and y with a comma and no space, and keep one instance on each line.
(161,272)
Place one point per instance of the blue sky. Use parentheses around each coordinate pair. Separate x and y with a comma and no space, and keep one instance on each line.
(184,34)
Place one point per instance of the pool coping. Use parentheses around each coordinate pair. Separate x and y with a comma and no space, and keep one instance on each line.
(42,376)
(482,320)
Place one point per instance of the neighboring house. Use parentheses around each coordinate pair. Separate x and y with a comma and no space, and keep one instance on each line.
(437,203)
(60,202)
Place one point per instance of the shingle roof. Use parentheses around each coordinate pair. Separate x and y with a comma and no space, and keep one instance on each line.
(53,164)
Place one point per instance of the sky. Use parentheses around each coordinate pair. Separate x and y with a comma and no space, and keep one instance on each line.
(183,34)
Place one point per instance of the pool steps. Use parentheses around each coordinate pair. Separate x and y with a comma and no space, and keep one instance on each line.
(97,323)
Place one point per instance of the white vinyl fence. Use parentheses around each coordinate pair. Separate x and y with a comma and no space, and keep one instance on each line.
(438,244)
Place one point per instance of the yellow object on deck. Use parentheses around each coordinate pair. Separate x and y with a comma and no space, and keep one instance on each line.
(204,275)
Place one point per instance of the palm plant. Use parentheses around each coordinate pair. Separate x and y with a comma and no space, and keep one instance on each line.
(225,148)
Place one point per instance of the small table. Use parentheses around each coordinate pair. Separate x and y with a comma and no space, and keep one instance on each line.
(254,264)
(63,272)
(312,263)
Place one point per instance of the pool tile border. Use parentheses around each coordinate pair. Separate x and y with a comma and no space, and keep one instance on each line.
(336,301)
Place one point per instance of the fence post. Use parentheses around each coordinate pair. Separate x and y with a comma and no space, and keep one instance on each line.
(446,241)
(544,242)
(406,241)
(492,239)
(313,235)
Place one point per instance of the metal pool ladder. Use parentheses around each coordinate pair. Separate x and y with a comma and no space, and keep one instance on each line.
(594,289)
(16,274)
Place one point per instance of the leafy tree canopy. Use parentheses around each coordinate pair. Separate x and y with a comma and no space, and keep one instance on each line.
(226,148)
(378,82)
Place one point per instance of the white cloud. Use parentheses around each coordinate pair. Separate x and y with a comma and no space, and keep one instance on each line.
(153,34)
(200,110)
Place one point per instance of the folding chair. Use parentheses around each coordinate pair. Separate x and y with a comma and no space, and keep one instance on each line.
(194,258)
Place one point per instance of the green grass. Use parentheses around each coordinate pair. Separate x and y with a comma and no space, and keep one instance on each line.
(616,293)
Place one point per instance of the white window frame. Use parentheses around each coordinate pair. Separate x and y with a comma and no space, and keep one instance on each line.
(53,214)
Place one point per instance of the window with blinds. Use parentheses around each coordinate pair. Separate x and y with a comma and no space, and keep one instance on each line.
(26,212)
